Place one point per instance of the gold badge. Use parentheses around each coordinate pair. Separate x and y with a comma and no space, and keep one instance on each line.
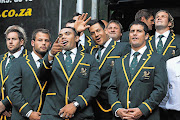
(173,52)
(83,71)
(146,75)
(112,63)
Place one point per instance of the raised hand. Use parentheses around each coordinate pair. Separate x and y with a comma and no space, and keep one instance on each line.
(81,23)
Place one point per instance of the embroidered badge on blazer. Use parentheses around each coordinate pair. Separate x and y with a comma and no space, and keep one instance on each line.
(112,63)
(84,71)
(146,75)
(173,52)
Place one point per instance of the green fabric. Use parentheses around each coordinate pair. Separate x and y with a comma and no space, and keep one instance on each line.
(68,62)
(160,44)
(99,52)
(9,64)
(134,63)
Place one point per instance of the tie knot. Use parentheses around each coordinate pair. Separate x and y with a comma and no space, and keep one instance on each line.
(68,52)
(40,60)
(136,54)
(101,47)
(11,57)
(161,36)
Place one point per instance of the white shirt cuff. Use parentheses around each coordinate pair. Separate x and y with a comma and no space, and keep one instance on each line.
(29,113)
(116,112)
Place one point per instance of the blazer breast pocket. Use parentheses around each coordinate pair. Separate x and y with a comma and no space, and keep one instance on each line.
(111,61)
(83,70)
(146,74)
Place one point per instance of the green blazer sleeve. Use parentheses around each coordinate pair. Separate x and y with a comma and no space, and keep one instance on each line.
(112,91)
(160,88)
(14,89)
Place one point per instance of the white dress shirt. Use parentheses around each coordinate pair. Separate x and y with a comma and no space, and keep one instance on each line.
(105,46)
(73,54)
(141,51)
(173,72)
(166,34)
(82,40)
(16,55)
(36,59)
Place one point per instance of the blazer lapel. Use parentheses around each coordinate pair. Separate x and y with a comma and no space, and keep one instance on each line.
(151,43)
(3,63)
(106,53)
(141,61)
(32,63)
(144,59)
(126,67)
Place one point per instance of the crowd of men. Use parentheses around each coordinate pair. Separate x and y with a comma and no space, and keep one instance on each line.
(109,75)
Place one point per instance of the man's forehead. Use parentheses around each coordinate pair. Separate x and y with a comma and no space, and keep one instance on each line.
(66,30)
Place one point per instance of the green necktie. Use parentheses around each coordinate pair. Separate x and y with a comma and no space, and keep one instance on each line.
(160,44)
(68,62)
(134,63)
(99,53)
(41,62)
(11,57)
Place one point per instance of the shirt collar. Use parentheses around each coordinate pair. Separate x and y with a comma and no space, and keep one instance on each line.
(141,51)
(35,57)
(17,54)
(107,43)
(74,51)
(166,34)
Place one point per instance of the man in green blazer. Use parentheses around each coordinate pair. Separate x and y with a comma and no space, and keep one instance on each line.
(15,41)
(164,24)
(110,50)
(138,80)
(74,80)
(25,89)
(85,42)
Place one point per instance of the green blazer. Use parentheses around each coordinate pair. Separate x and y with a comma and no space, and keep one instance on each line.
(82,86)
(171,47)
(89,43)
(125,37)
(144,90)
(113,51)
(3,94)
(25,89)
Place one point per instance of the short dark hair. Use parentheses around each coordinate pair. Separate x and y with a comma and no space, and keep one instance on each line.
(71,21)
(92,22)
(116,22)
(42,30)
(143,13)
(139,23)
(75,33)
(76,14)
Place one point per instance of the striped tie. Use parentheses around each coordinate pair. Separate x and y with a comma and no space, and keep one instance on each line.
(160,44)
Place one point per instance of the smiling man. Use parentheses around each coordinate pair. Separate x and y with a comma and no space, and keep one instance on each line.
(74,80)
(25,89)
(105,52)
(165,41)
(138,80)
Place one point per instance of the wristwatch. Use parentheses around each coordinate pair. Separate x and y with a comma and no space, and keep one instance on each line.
(76,104)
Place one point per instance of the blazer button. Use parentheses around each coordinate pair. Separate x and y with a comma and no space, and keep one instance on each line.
(3,88)
(129,89)
(68,97)
(129,102)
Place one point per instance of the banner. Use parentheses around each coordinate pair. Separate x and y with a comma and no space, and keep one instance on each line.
(29,14)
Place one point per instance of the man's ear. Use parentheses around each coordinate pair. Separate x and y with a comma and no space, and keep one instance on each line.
(22,42)
(147,35)
(32,43)
(143,19)
(76,38)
